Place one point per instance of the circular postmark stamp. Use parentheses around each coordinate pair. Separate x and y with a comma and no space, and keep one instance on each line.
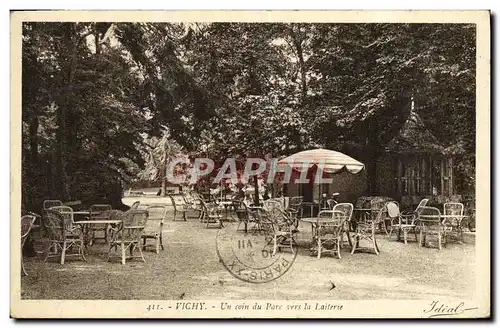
(252,256)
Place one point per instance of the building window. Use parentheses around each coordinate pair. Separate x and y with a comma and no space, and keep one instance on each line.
(418,175)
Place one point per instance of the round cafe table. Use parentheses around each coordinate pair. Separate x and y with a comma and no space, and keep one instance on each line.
(88,223)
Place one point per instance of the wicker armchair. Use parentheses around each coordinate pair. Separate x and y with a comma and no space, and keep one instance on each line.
(183,204)
(62,233)
(128,235)
(154,226)
(404,222)
(278,228)
(295,206)
(431,225)
(211,214)
(344,211)
(330,227)
(453,222)
(27,222)
(365,230)
(244,215)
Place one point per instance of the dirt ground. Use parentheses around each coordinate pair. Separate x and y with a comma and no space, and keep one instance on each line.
(189,268)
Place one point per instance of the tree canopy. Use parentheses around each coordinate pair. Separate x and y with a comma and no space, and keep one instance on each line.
(99,99)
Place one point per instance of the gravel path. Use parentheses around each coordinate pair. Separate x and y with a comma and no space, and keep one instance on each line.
(189,268)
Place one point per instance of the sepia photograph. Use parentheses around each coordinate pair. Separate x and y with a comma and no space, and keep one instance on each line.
(250,164)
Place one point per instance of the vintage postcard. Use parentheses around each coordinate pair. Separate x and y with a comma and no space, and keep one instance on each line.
(250,164)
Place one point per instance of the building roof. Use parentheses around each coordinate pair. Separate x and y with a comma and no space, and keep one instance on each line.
(414,137)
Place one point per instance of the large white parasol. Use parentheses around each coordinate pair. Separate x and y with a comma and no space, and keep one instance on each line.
(329,161)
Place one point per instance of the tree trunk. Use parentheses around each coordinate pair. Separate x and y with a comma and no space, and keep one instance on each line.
(163,186)
(297,42)
(256,191)
(63,133)
(97,40)
(163,176)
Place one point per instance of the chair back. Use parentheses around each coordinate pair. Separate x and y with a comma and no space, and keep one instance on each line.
(156,216)
(392,209)
(428,210)
(100,211)
(331,223)
(296,202)
(272,204)
(67,213)
(51,203)
(133,224)
(343,210)
(331,203)
(186,196)
(295,205)
(53,223)
(241,210)
(454,208)
(27,222)
(209,207)
(285,220)
(325,214)
(422,204)
(267,222)
(135,205)
(377,203)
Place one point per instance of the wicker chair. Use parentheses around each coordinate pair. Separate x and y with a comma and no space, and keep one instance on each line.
(272,205)
(283,228)
(244,214)
(211,215)
(404,222)
(295,206)
(62,233)
(128,235)
(453,224)
(180,206)
(328,235)
(345,211)
(154,226)
(431,226)
(99,212)
(27,222)
(331,203)
(365,230)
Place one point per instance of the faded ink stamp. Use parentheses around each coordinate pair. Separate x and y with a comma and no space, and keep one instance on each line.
(256,256)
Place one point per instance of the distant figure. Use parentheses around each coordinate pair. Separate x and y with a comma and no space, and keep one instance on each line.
(159,192)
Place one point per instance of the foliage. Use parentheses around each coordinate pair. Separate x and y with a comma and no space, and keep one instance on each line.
(98,96)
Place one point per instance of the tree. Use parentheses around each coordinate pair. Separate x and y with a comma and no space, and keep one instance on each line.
(162,152)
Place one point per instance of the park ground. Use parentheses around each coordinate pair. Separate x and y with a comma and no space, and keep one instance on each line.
(189,268)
